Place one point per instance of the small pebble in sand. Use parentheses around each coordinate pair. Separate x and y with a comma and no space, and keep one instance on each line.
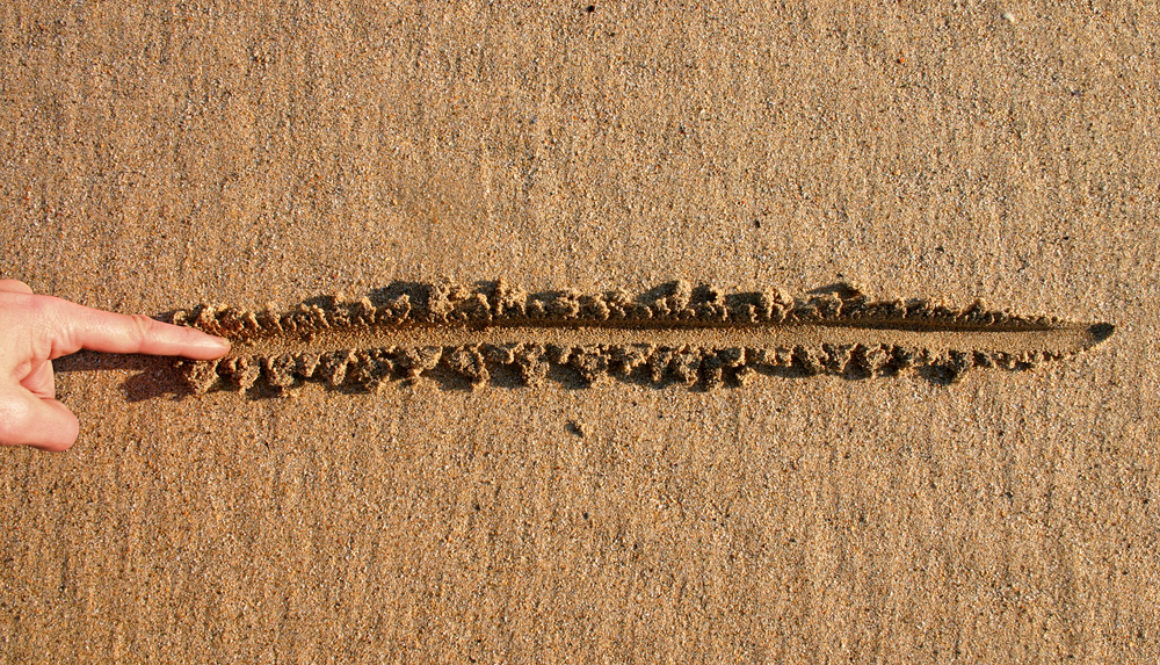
(578,428)
(1008,17)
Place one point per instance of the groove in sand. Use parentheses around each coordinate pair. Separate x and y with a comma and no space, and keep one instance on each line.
(1060,340)
(695,336)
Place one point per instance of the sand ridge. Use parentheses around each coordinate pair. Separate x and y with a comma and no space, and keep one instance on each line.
(675,333)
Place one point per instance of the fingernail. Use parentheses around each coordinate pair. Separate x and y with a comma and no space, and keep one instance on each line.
(219,342)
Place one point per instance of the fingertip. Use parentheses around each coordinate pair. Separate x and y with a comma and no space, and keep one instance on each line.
(41,423)
(56,446)
(15,286)
(208,347)
(60,428)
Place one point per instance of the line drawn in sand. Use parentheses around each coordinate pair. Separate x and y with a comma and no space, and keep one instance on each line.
(673,334)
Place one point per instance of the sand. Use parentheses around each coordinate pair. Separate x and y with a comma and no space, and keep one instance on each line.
(156,158)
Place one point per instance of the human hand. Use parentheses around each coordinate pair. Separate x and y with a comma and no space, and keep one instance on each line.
(35,330)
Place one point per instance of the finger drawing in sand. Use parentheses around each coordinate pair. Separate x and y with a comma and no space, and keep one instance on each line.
(675,334)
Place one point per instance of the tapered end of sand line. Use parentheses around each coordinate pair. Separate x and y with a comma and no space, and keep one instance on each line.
(676,333)
(1099,332)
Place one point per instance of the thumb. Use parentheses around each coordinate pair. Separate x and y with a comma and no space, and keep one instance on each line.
(26,419)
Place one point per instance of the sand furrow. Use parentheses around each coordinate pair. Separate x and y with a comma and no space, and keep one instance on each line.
(672,334)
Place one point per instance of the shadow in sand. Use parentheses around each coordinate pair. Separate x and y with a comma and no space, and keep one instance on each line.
(154,376)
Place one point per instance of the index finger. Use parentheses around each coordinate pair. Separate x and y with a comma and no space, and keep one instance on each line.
(98,330)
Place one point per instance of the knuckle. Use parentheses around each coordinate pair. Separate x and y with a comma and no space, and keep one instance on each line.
(47,308)
(34,305)
(142,327)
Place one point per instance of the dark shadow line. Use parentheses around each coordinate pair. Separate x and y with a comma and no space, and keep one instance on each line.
(154,376)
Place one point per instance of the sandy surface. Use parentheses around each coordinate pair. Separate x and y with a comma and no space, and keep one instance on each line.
(157,158)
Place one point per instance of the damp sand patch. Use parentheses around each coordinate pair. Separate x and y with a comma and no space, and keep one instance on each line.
(674,334)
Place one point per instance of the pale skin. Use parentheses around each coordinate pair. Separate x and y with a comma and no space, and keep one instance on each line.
(36,329)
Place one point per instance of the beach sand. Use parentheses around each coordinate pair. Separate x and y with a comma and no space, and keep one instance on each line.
(154,159)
